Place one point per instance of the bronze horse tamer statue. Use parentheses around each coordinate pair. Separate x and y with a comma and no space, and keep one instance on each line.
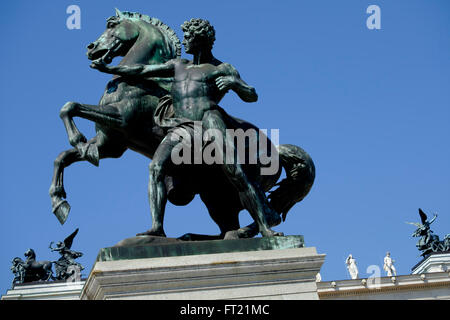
(124,120)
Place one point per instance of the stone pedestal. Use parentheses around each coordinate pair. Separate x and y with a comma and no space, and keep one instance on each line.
(259,268)
(435,262)
(45,291)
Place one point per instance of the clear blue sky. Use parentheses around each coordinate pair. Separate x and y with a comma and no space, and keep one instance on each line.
(371,107)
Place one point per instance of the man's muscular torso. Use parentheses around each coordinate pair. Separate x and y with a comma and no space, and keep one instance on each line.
(194,90)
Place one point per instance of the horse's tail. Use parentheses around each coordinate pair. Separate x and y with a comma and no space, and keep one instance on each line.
(300,174)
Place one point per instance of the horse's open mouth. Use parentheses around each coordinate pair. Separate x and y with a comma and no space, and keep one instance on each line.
(97,54)
(107,55)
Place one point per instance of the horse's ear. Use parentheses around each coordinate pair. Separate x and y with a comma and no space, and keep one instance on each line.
(119,13)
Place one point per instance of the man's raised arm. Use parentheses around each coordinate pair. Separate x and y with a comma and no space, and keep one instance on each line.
(165,70)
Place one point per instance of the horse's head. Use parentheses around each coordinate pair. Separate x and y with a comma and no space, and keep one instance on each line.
(16,261)
(116,40)
(30,254)
(122,33)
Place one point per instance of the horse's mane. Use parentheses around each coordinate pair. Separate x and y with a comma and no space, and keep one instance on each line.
(153,21)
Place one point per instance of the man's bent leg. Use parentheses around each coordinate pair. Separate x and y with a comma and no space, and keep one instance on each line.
(252,198)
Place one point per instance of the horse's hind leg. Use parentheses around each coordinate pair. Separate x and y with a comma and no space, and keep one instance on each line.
(48,269)
(225,215)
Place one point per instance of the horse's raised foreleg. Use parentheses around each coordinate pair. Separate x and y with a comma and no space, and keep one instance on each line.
(61,207)
(107,148)
(107,116)
(75,136)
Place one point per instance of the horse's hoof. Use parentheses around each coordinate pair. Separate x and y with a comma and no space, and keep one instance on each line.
(271,233)
(231,235)
(247,232)
(61,211)
(186,237)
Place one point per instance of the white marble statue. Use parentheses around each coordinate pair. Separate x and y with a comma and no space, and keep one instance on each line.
(351,266)
(389,265)
(318,277)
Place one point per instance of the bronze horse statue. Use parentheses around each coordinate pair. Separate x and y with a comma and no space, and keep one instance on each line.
(124,120)
(36,270)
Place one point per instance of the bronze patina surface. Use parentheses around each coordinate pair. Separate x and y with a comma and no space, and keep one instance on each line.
(153,93)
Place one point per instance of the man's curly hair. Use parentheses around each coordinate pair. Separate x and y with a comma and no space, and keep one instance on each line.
(201,29)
